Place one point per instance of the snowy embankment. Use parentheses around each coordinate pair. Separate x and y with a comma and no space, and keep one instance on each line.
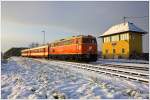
(26,78)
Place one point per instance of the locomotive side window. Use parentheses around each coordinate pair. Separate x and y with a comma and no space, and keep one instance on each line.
(68,42)
(78,40)
(59,43)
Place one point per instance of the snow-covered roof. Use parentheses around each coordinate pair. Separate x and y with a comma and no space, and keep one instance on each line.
(123,27)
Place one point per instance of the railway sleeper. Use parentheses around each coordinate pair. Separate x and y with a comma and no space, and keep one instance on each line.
(132,78)
(135,74)
(100,72)
(125,72)
(143,81)
(143,75)
(108,73)
(123,76)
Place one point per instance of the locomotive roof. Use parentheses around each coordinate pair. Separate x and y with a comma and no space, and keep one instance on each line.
(78,36)
(123,27)
(73,37)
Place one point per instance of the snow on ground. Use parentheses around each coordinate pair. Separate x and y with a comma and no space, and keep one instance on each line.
(26,78)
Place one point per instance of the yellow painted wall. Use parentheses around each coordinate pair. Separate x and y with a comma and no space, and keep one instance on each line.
(135,43)
(127,45)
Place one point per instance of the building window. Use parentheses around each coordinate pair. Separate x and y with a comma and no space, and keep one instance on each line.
(123,50)
(119,37)
(115,38)
(124,36)
(106,39)
(114,51)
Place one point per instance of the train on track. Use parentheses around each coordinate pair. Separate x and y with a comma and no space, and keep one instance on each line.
(76,48)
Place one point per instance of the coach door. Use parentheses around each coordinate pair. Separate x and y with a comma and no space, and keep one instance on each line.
(77,46)
(44,51)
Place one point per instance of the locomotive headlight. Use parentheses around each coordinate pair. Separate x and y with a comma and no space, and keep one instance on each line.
(79,47)
(90,47)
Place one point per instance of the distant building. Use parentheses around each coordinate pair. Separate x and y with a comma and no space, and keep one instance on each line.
(122,41)
(13,52)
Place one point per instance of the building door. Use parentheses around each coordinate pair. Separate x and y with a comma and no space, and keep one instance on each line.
(114,51)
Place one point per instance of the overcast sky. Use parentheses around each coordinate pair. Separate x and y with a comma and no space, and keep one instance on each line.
(22,22)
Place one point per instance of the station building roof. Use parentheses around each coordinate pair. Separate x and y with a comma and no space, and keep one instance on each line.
(123,27)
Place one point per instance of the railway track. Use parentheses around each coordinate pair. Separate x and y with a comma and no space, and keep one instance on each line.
(124,61)
(128,72)
(126,67)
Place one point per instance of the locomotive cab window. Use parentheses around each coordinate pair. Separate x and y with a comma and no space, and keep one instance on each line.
(89,40)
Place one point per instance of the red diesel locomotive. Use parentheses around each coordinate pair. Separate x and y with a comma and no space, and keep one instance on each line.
(80,48)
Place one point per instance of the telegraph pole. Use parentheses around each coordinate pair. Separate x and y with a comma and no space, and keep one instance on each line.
(44,37)
(124,19)
(132,17)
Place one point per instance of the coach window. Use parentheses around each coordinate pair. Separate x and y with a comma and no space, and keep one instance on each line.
(69,42)
(76,41)
(54,44)
(72,41)
(66,42)
(60,43)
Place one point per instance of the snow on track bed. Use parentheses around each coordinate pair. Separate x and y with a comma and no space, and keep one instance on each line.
(133,61)
(121,72)
(26,78)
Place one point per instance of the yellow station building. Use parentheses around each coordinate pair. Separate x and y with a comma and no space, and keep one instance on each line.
(122,41)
